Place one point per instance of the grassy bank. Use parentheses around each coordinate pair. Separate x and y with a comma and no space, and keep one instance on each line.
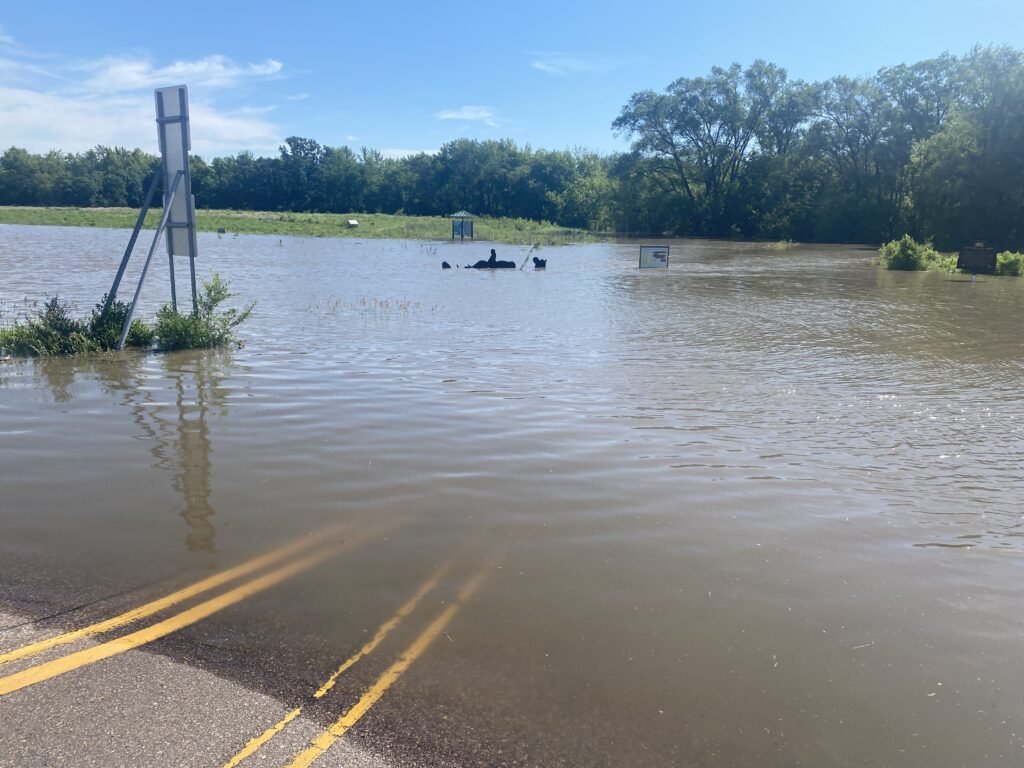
(371,225)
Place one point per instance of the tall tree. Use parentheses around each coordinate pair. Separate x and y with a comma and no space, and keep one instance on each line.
(703,130)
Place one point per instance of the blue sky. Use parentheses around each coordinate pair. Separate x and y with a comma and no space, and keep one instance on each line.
(404,77)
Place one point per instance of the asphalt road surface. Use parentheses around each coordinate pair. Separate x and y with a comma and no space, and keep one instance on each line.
(163,676)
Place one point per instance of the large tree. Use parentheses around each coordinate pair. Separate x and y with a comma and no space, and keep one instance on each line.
(968,178)
(702,130)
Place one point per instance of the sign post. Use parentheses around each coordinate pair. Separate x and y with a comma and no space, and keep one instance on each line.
(179,214)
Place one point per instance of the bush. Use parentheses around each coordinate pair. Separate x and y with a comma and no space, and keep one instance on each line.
(52,332)
(207,328)
(909,255)
(1010,264)
(56,332)
(106,324)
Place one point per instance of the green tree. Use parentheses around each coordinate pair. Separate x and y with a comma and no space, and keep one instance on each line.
(702,130)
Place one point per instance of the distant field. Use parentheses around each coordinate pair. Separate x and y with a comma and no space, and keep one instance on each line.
(371,225)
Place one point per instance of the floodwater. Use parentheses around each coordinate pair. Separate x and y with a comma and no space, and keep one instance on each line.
(764,508)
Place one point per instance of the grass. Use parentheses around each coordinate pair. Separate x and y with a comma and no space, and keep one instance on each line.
(371,225)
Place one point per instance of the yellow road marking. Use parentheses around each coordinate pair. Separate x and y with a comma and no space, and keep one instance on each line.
(45,671)
(373,694)
(263,738)
(160,604)
(385,628)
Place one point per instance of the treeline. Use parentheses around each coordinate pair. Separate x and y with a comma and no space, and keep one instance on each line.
(934,149)
(494,178)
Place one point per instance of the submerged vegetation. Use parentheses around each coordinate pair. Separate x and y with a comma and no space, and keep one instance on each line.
(1010,263)
(909,255)
(208,327)
(53,331)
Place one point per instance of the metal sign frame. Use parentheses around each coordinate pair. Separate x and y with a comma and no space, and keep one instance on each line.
(654,256)
(175,142)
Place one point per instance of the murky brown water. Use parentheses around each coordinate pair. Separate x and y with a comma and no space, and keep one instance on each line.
(764,508)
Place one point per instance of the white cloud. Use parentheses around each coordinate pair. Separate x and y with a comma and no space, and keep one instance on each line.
(113,74)
(39,122)
(485,115)
(298,97)
(50,102)
(560,63)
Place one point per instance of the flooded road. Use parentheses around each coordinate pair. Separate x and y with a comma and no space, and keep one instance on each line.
(764,508)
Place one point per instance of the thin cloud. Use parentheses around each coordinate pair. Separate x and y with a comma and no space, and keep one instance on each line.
(562,64)
(16,71)
(113,74)
(298,97)
(485,115)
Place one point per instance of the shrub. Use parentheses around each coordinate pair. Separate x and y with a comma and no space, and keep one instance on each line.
(106,324)
(52,332)
(1010,263)
(909,255)
(209,327)
(56,332)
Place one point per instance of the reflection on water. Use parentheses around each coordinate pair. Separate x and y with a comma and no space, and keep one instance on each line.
(192,447)
(172,419)
(759,505)
(178,435)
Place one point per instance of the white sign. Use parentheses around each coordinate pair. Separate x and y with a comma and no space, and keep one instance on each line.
(653,256)
(175,143)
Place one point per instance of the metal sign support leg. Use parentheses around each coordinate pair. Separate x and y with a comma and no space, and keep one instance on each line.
(174,288)
(195,294)
(112,294)
(145,267)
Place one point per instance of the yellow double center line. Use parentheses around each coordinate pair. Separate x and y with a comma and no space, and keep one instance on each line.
(384,630)
(72,661)
(373,694)
(243,569)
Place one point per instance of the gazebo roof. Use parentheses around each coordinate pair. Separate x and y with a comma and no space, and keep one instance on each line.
(461,215)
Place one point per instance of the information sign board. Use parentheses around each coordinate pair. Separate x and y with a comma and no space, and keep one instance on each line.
(653,256)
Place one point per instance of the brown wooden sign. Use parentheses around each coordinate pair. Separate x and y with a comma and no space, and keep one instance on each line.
(977,259)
